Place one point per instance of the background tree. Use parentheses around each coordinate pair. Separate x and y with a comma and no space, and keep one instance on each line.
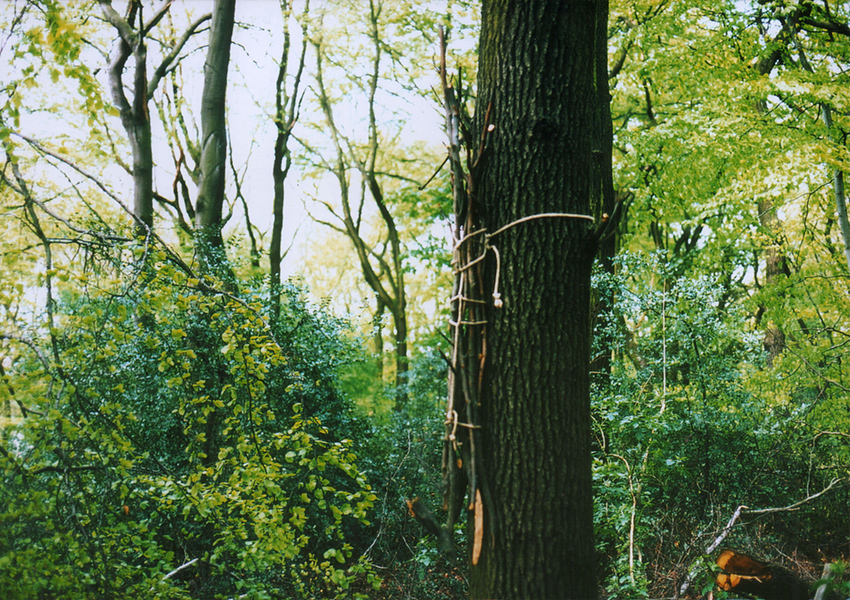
(286,105)
(372,162)
(213,157)
(134,112)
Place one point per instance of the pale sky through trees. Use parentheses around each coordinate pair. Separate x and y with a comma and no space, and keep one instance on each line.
(257,42)
(255,54)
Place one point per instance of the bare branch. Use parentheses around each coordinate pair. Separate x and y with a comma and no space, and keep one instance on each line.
(796,505)
(250,228)
(157,18)
(180,568)
(835,433)
(163,67)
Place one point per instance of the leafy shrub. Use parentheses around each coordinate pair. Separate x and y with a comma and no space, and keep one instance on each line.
(687,431)
(166,451)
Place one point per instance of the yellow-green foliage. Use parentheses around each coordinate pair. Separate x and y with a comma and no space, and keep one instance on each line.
(151,439)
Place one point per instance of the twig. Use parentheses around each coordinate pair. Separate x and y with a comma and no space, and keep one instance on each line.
(437,172)
(796,505)
(180,568)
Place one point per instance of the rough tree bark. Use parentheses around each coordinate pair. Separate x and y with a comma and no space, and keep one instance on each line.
(535,191)
(612,201)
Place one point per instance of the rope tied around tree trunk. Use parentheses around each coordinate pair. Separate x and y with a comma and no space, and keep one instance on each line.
(460,298)
(469,320)
(497,296)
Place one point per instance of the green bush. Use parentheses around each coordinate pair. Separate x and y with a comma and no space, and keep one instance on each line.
(686,431)
(174,448)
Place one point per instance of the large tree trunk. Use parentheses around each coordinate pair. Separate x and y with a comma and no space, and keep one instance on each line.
(208,208)
(537,71)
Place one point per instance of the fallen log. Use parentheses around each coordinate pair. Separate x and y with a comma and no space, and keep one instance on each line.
(754,578)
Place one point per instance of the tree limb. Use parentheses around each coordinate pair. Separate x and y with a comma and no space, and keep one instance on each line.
(831,26)
(163,10)
(172,56)
(125,30)
(795,505)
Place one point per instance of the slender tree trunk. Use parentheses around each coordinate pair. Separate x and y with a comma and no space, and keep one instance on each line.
(140,125)
(134,114)
(841,211)
(838,190)
(401,359)
(378,337)
(398,298)
(209,243)
(286,103)
(537,69)
(775,265)
(210,202)
(279,171)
